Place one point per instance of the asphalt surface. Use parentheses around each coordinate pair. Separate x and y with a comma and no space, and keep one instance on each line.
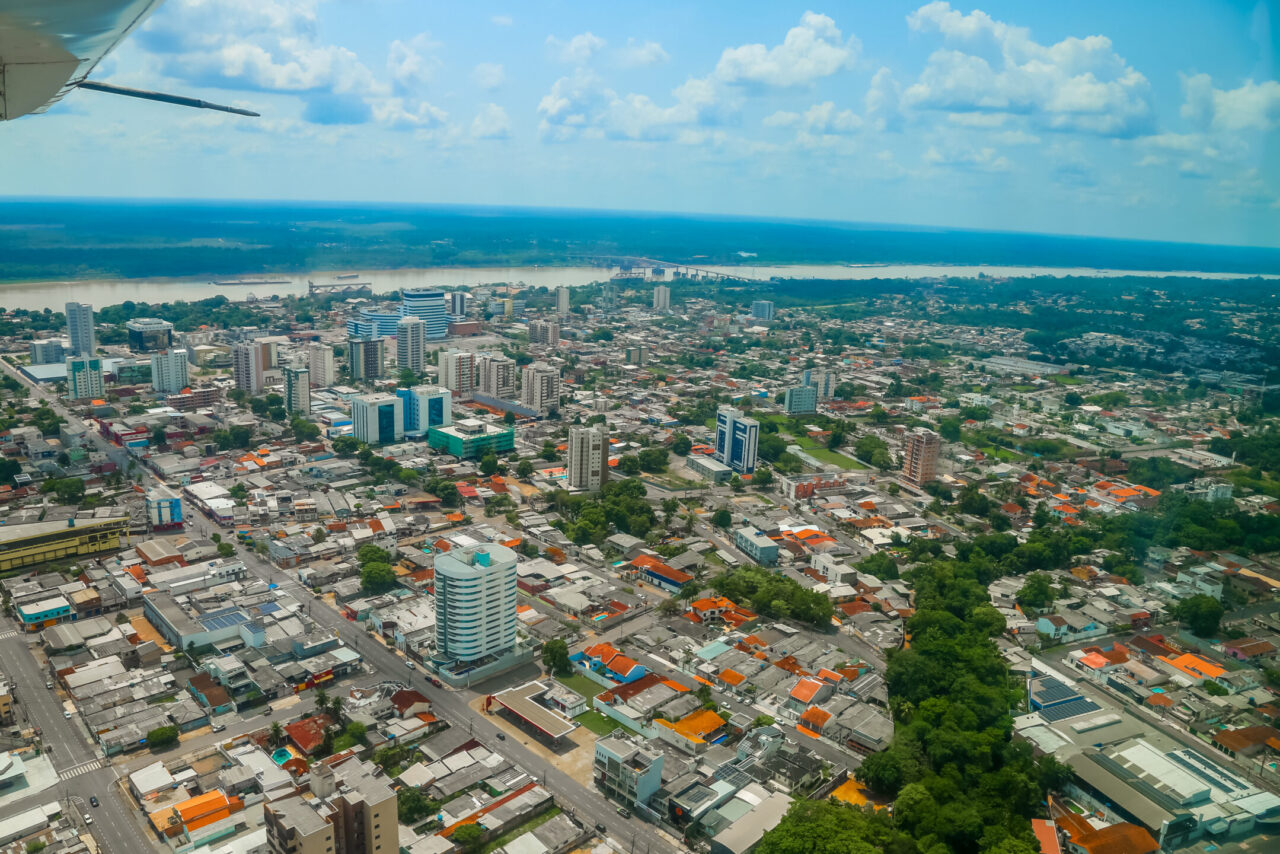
(587,805)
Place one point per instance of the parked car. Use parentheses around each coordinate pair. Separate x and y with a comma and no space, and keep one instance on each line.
(88,819)
(600,828)
(624,812)
(93,800)
(502,736)
(410,665)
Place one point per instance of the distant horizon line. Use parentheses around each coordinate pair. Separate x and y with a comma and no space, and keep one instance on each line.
(646,213)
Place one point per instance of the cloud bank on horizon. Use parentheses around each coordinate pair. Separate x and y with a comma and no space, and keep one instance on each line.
(1075,118)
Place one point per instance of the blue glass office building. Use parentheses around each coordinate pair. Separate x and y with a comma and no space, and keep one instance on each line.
(429,307)
(737,438)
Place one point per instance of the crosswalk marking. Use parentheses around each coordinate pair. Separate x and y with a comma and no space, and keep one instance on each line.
(9,634)
(82,768)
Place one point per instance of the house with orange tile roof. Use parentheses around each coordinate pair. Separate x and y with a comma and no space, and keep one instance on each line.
(194,813)
(1123,838)
(608,660)
(694,732)
(1191,669)
(1248,741)
(809,691)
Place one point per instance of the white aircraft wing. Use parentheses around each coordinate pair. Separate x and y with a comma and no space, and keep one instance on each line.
(49,47)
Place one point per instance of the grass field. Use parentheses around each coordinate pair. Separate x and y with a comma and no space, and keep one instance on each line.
(581,684)
(847,463)
(597,722)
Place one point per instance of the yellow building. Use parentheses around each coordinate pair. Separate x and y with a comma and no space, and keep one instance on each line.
(40,542)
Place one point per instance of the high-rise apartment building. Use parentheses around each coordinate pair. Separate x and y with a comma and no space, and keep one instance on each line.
(920,457)
(562,300)
(458,373)
(84,378)
(429,307)
(377,419)
(540,389)
(351,809)
(366,358)
(475,603)
(801,400)
(297,389)
(588,457)
(169,371)
(370,322)
(48,351)
(457,303)
(250,361)
(661,298)
(426,406)
(80,328)
(544,332)
(737,439)
(824,381)
(762,309)
(411,343)
(320,363)
(496,376)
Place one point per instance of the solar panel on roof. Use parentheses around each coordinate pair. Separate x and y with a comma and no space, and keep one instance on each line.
(1049,690)
(1070,709)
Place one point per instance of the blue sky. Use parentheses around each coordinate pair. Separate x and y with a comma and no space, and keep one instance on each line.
(1152,120)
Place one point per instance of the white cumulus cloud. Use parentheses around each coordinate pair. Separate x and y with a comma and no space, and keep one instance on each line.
(638,54)
(1077,84)
(413,64)
(810,51)
(491,122)
(1251,106)
(578,49)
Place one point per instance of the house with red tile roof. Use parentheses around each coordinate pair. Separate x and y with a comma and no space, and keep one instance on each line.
(308,734)
(408,703)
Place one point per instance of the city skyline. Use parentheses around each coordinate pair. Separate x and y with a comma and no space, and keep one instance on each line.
(1097,121)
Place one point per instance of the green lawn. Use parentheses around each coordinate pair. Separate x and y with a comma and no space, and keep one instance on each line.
(1066,379)
(597,723)
(839,459)
(581,684)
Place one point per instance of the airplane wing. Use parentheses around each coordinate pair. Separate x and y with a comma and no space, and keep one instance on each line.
(49,47)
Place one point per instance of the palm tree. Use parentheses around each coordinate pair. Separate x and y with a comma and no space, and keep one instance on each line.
(277,734)
(322,699)
(335,708)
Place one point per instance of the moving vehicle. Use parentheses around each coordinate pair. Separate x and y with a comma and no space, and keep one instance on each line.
(88,819)
(93,800)
(410,665)
(624,812)
(218,727)
(600,828)
(49,684)
(502,736)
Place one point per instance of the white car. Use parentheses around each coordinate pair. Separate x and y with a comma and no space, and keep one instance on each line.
(67,715)
(88,819)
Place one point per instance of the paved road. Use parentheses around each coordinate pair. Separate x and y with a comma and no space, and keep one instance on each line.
(82,773)
(589,806)
(631,834)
